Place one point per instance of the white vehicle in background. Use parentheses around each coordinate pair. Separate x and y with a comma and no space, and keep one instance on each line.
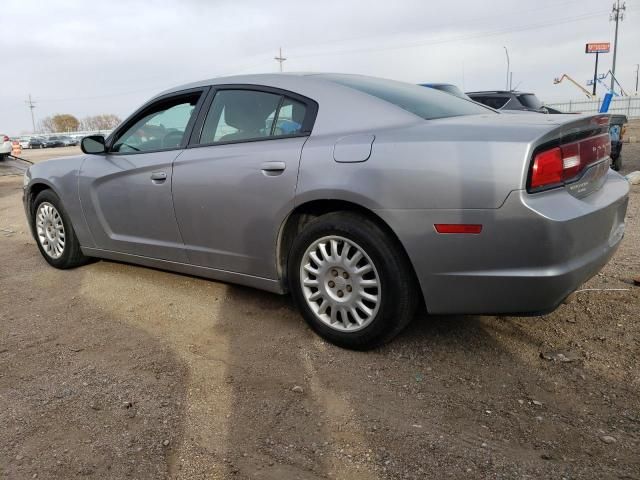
(25,142)
(5,146)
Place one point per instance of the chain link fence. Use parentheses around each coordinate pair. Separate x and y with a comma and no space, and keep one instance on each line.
(629,106)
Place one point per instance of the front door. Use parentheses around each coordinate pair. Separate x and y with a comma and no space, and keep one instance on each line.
(234,187)
(126,193)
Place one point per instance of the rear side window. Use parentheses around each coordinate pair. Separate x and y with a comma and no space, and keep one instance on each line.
(416,99)
(237,115)
(529,100)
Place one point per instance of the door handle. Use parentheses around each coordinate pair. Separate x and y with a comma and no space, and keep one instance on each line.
(273,168)
(158,177)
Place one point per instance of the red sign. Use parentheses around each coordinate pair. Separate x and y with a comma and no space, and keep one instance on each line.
(597,48)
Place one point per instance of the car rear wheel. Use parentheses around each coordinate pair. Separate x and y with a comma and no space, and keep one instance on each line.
(54,233)
(352,283)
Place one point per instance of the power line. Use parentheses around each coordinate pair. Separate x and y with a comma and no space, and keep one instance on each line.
(617,15)
(459,38)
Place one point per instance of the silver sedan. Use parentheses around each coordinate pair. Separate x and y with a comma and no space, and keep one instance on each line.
(363,197)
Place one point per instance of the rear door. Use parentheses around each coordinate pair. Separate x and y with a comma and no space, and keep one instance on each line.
(235,184)
(126,193)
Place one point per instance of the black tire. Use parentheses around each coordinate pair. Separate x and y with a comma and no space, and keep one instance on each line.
(3,156)
(399,293)
(616,162)
(71,255)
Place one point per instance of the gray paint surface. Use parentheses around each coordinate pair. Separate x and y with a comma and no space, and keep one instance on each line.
(221,209)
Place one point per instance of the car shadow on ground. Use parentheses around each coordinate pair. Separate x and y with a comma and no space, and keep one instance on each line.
(82,392)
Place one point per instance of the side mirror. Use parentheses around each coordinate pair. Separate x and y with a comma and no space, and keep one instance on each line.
(93,144)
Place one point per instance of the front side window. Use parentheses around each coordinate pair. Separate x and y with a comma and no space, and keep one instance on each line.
(161,127)
(237,115)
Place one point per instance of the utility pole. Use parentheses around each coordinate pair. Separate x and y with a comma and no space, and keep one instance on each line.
(617,15)
(31,104)
(637,68)
(507,53)
(280,59)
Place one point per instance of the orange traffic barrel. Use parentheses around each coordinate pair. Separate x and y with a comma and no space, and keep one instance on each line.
(16,149)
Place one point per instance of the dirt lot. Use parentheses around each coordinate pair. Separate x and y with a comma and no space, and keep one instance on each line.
(117,371)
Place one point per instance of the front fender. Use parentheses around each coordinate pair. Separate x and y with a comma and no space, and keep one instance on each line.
(61,176)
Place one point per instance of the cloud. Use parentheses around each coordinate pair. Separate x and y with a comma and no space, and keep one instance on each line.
(109,57)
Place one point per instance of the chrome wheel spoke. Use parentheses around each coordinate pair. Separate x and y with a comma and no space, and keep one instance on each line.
(50,230)
(332,278)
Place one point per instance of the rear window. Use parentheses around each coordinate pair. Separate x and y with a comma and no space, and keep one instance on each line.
(424,102)
(529,100)
(493,102)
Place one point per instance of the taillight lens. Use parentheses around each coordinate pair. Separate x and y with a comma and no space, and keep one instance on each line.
(562,164)
(547,168)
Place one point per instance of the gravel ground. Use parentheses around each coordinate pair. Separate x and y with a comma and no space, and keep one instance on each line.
(117,371)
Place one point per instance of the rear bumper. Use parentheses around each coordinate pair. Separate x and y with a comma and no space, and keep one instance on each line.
(533,251)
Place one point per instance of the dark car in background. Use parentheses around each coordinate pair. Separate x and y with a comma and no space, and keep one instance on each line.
(616,132)
(511,100)
(36,142)
(53,141)
(69,141)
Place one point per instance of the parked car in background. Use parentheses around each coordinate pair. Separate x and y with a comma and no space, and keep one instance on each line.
(5,146)
(37,142)
(53,141)
(375,197)
(617,127)
(511,100)
(69,141)
(24,142)
(448,88)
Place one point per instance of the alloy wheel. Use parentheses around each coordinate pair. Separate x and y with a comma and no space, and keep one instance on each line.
(340,283)
(50,230)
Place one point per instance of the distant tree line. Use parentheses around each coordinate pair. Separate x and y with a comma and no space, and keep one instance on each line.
(65,122)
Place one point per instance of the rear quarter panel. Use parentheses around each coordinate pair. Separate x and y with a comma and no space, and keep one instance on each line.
(441,164)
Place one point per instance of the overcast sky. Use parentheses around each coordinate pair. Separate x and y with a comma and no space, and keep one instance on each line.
(87,58)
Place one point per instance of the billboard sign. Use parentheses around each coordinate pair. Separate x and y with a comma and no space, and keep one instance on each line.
(602,47)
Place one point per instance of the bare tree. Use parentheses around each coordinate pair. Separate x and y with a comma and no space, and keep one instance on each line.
(106,121)
(46,125)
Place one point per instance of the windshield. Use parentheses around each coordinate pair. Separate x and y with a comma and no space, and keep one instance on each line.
(529,100)
(424,102)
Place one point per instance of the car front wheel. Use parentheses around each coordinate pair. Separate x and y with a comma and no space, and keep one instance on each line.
(351,281)
(54,233)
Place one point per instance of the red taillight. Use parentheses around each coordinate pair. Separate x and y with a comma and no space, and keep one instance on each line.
(563,163)
(458,228)
(547,168)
